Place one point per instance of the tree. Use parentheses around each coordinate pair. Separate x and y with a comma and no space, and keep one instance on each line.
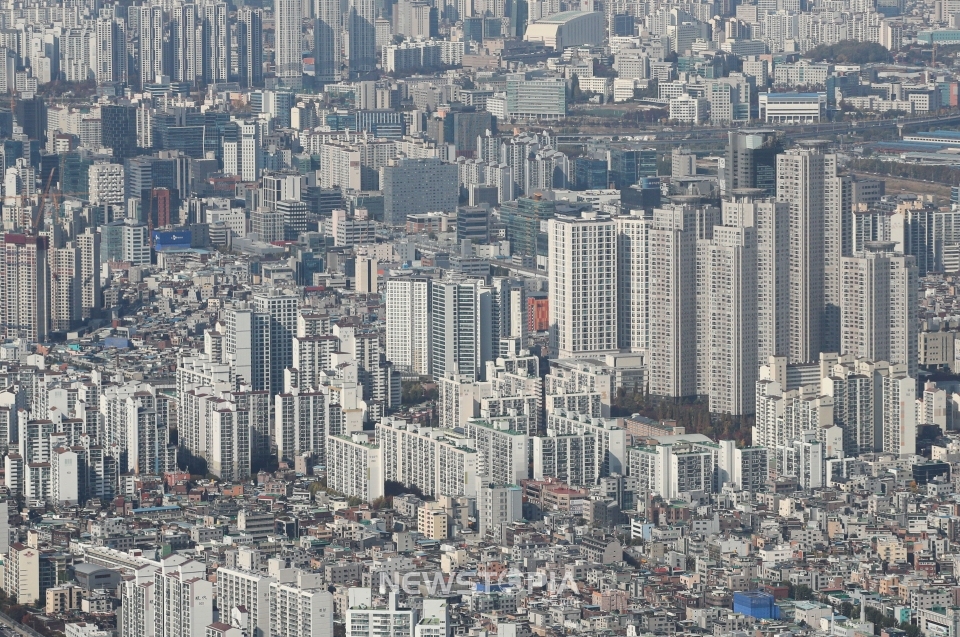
(576,95)
(849,52)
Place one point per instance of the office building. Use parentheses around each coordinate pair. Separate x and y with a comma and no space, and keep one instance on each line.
(119,124)
(582,268)
(751,161)
(413,186)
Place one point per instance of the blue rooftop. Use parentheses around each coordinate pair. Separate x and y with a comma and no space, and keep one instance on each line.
(939,133)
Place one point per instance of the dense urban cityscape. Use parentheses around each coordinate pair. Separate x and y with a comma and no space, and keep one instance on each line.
(480,318)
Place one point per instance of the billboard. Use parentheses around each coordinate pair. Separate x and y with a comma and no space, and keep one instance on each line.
(172,240)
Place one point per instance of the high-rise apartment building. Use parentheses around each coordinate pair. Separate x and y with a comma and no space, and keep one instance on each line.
(65,293)
(497,505)
(837,242)
(106,183)
(151,45)
(215,46)
(301,608)
(878,306)
(111,50)
(461,328)
(248,346)
(24,287)
(355,466)
(673,301)
(800,182)
(408,334)
(249,46)
(362,35)
(748,207)
(238,588)
(727,323)
(436,461)
(328,47)
(633,281)
(183,598)
(282,311)
(582,270)
(186,36)
(88,244)
(288,16)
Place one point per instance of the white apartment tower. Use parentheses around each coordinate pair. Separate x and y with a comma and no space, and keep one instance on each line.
(673,301)
(187,43)
(183,598)
(282,310)
(727,324)
(215,67)
(302,608)
(800,183)
(899,420)
(151,23)
(771,219)
(498,505)
(878,307)
(461,327)
(289,32)
(240,588)
(633,281)
(24,281)
(837,243)
(582,264)
(408,323)
(65,301)
(89,245)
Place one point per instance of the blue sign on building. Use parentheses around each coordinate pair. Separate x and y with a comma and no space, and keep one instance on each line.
(172,240)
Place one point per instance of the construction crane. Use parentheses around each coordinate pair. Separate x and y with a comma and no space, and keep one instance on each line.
(38,215)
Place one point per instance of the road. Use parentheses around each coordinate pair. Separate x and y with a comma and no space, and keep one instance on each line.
(7,624)
(705,134)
